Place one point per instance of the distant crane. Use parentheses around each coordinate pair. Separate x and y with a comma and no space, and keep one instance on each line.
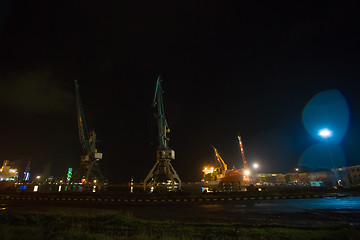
(162,177)
(27,173)
(223,166)
(245,165)
(88,174)
(245,170)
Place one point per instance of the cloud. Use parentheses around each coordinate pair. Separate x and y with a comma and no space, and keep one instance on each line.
(34,92)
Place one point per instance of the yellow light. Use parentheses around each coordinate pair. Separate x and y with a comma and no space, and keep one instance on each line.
(208,170)
(247,172)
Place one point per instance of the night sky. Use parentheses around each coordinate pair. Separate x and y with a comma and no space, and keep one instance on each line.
(231,67)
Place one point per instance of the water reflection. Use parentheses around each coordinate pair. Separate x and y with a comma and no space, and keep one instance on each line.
(2,207)
(283,205)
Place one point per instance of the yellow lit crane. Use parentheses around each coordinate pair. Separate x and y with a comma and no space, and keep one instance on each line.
(223,167)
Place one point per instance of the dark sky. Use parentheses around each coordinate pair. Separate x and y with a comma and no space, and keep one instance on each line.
(231,67)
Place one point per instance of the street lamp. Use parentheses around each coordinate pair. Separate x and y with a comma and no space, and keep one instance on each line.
(255,166)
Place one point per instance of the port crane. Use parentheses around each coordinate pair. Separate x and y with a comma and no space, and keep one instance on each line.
(162,177)
(223,166)
(27,173)
(88,174)
(222,179)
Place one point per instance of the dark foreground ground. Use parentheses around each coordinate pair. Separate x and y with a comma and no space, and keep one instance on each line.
(86,224)
(320,218)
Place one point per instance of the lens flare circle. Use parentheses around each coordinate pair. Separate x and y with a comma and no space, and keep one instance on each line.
(327,110)
(323,156)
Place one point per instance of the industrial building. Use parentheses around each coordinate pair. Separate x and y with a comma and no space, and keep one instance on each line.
(345,176)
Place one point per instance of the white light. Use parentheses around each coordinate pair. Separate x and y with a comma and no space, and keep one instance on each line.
(247,172)
(255,165)
(325,133)
(38,177)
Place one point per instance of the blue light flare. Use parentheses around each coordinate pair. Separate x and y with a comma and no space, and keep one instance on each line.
(323,156)
(326,118)
(325,133)
(327,110)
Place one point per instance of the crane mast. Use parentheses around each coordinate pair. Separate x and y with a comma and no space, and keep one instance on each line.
(162,177)
(88,174)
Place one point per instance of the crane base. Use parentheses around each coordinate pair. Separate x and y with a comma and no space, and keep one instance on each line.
(162,178)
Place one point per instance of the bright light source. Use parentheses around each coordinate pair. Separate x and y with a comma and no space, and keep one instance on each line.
(247,172)
(325,133)
(38,177)
(255,165)
(208,170)
(296,169)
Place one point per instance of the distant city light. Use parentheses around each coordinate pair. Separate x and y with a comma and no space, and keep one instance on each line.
(255,165)
(325,133)
(38,177)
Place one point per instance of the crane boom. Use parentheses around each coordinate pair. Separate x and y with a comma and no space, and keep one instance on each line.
(163,127)
(82,128)
(245,165)
(223,166)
